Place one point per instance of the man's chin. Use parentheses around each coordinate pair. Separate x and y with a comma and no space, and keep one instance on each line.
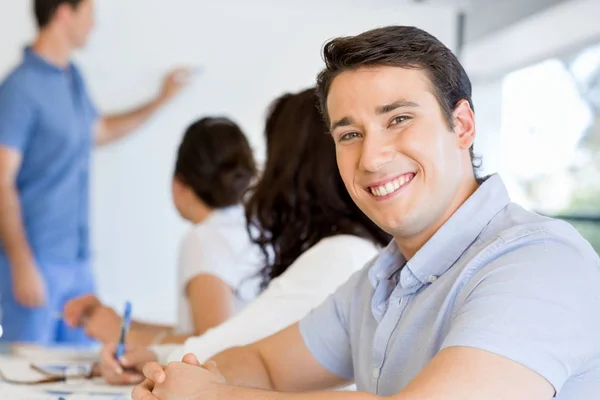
(81,44)
(391,225)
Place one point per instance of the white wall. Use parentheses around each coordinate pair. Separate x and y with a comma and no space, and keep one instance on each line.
(487,100)
(251,53)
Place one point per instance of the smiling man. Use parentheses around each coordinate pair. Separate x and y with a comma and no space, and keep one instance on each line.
(475,298)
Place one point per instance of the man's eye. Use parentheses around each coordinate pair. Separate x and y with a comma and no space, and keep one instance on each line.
(348,136)
(399,119)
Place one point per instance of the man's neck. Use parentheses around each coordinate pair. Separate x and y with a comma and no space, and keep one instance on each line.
(410,246)
(52,47)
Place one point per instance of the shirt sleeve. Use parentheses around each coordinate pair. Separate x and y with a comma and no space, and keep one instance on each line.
(307,282)
(325,330)
(204,252)
(537,306)
(17,115)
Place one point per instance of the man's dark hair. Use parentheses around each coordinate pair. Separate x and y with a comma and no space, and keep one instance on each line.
(405,47)
(216,161)
(44,10)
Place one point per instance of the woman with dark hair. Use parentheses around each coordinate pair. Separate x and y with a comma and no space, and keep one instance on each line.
(213,170)
(301,184)
(312,236)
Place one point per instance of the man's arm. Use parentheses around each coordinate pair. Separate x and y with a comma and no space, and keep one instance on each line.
(280,362)
(113,127)
(457,373)
(283,363)
(464,373)
(28,286)
(11,224)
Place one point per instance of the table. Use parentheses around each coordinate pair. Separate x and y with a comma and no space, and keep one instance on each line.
(16,365)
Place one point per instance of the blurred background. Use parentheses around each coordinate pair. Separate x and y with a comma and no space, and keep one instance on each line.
(534,64)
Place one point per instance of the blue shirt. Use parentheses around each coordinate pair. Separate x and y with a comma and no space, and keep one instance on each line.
(494,277)
(47,115)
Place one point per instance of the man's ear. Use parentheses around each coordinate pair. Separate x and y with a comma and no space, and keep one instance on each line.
(464,124)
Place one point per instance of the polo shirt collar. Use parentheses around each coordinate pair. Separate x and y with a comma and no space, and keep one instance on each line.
(445,247)
(32,58)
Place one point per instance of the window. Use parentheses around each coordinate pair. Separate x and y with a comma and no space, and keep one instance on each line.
(550,142)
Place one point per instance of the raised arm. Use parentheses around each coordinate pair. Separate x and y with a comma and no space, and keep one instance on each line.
(110,128)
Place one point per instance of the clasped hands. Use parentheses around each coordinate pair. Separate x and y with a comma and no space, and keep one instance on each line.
(187,380)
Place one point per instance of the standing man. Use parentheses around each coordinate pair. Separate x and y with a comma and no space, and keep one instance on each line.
(48,125)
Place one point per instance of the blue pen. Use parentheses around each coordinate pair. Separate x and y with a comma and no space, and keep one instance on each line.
(124,330)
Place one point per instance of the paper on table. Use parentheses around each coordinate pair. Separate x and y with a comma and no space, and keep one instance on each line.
(25,393)
(19,370)
(35,353)
(95,386)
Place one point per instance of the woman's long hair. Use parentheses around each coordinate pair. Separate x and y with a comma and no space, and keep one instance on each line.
(300,198)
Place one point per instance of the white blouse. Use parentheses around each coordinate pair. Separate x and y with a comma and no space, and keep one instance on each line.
(219,246)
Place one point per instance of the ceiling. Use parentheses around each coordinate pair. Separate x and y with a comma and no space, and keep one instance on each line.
(484,17)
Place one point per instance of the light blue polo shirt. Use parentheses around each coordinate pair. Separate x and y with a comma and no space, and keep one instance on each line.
(494,277)
(46,114)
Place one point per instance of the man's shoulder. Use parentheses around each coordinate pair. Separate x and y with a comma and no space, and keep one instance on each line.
(21,79)
(514,223)
(523,236)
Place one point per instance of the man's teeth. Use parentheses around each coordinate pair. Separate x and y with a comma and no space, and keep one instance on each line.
(390,187)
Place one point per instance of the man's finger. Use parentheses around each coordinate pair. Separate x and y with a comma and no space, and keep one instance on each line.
(191,359)
(143,391)
(155,372)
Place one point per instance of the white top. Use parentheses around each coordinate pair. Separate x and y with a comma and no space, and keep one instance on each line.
(220,246)
(305,284)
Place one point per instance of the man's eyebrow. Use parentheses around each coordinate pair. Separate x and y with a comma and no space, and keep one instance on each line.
(346,121)
(386,108)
